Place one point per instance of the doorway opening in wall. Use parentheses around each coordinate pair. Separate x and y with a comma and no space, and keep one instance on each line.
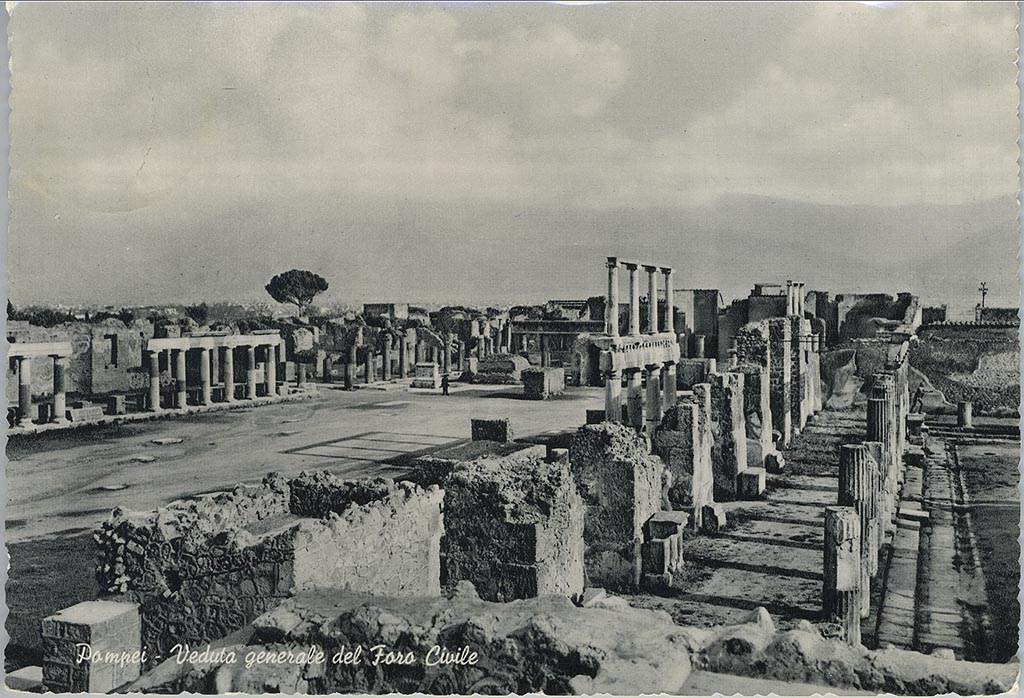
(112,345)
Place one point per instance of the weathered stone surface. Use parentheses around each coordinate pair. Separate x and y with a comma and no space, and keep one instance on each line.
(500,369)
(543,645)
(110,629)
(621,485)
(728,428)
(804,655)
(434,469)
(499,430)
(515,528)
(542,383)
(682,441)
(200,569)
(427,376)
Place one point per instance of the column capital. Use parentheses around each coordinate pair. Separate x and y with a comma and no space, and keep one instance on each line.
(667,270)
(650,268)
(613,263)
(632,266)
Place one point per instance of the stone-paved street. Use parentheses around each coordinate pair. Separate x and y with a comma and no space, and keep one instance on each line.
(770,555)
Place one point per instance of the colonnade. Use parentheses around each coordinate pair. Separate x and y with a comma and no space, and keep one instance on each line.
(23,353)
(642,358)
(216,363)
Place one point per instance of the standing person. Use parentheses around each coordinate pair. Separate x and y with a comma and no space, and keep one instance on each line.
(444,384)
(917,404)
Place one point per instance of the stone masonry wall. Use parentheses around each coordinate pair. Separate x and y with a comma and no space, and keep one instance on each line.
(798,374)
(683,443)
(201,569)
(757,413)
(621,485)
(728,428)
(515,528)
(779,342)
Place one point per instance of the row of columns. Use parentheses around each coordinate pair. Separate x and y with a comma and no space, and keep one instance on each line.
(794,298)
(60,368)
(870,474)
(612,305)
(214,363)
(644,407)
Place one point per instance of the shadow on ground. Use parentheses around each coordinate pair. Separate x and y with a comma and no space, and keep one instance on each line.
(46,575)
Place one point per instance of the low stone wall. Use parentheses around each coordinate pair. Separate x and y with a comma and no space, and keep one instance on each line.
(621,485)
(542,383)
(200,569)
(515,528)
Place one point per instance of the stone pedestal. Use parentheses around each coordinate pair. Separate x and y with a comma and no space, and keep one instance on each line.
(105,626)
(542,383)
(427,376)
(751,483)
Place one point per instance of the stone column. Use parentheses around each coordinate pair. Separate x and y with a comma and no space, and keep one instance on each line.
(328,365)
(215,365)
(60,389)
(698,346)
(965,415)
(670,308)
(613,396)
(368,376)
(229,374)
(24,390)
(250,372)
(181,388)
(386,363)
(652,298)
(205,387)
(634,298)
(635,398)
(655,397)
(611,306)
(508,336)
(841,588)
(525,348)
(668,380)
(350,367)
(446,354)
(461,365)
(271,372)
(545,358)
(855,491)
(154,381)
(877,430)
(403,356)
(300,374)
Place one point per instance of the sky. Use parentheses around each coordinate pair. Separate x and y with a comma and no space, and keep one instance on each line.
(489,152)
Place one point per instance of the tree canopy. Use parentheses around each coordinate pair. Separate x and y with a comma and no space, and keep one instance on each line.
(298,287)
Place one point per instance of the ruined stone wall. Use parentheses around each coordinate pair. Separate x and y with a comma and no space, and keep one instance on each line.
(780,343)
(621,485)
(683,442)
(500,369)
(728,429)
(690,372)
(515,528)
(200,569)
(757,413)
(127,374)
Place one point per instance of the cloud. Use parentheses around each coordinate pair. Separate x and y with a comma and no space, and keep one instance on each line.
(326,117)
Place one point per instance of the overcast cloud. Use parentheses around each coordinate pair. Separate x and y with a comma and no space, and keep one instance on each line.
(448,151)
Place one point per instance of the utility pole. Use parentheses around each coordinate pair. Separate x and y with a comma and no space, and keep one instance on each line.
(984,292)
